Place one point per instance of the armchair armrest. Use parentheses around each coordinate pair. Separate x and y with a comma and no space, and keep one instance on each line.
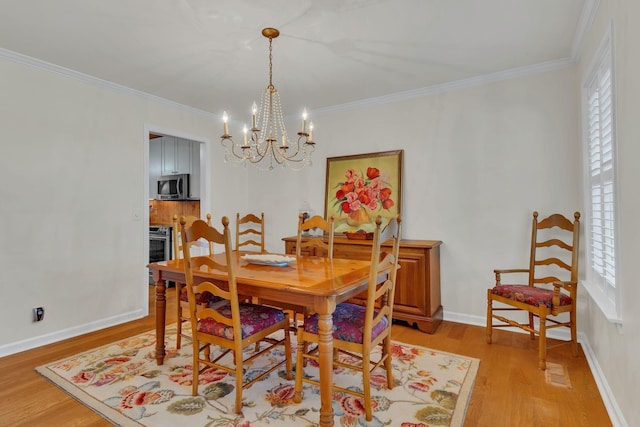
(569,285)
(499,271)
(564,284)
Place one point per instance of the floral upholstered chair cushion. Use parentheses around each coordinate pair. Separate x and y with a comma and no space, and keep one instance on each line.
(254,318)
(348,323)
(529,295)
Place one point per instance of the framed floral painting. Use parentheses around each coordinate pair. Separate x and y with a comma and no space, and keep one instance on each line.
(362,186)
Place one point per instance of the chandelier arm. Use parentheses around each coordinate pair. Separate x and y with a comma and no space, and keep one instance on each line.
(295,154)
(231,148)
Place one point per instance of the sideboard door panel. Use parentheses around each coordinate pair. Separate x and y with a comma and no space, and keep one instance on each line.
(410,295)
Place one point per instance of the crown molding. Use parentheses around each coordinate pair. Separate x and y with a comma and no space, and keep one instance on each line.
(587,17)
(449,86)
(95,81)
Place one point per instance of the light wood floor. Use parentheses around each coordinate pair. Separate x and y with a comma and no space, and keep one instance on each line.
(509,389)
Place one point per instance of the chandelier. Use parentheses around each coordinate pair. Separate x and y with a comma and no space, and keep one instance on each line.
(268,145)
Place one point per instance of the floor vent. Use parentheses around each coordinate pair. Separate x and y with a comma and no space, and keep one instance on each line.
(556,374)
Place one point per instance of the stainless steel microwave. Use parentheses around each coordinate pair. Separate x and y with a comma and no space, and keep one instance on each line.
(173,187)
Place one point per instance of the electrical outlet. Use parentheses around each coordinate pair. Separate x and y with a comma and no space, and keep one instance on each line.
(38,314)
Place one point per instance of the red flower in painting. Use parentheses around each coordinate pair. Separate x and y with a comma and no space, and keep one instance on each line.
(359,191)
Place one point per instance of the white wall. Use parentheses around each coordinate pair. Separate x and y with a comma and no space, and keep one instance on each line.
(477,162)
(616,350)
(73,201)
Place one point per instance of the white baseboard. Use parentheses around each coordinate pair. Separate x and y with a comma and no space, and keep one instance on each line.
(616,416)
(28,344)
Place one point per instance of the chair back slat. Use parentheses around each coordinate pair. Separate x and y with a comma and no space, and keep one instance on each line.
(250,232)
(554,242)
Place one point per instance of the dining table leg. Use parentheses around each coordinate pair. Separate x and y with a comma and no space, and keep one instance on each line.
(161,306)
(325,350)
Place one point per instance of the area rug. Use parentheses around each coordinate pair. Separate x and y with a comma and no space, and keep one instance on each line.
(122,382)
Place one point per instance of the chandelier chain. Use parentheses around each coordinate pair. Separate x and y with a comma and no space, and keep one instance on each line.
(271,63)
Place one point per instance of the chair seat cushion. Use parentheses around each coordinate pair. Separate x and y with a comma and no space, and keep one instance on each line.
(253,319)
(203,298)
(348,323)
(530,295)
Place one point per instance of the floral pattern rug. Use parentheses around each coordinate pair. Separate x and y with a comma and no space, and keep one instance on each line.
(122,382)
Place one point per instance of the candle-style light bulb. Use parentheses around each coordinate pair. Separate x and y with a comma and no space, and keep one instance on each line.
(284,141)
(310,131)
(244,129)
(254,110)
(304,120)
(225,119)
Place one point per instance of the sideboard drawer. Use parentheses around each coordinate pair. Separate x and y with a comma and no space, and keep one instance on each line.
(351,251)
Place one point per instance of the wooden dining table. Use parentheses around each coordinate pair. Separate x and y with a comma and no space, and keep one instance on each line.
(316,282)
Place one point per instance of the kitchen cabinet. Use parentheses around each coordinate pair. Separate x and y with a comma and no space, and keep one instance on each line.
(417,294)
(169,156)
(176,155)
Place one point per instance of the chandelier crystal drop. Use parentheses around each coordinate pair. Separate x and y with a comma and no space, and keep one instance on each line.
(266,144)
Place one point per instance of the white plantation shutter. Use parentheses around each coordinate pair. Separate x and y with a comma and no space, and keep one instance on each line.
(600,180)
(601,176)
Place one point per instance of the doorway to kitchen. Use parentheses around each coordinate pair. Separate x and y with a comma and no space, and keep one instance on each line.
(172,153)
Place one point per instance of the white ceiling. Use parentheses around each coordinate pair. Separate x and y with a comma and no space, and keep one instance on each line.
(211,55)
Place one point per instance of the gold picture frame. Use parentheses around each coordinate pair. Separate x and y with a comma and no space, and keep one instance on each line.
(362,186)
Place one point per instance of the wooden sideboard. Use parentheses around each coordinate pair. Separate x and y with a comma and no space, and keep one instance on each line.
(417,296)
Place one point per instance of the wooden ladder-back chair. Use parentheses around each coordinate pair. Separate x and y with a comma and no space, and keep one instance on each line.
(228,324)
(316,221)
(181,292)
(550,291)
(357,329)
(250,233)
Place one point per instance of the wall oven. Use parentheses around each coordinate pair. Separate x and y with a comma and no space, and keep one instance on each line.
(159,244)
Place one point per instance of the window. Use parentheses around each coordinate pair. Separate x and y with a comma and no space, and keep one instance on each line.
(600,182)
